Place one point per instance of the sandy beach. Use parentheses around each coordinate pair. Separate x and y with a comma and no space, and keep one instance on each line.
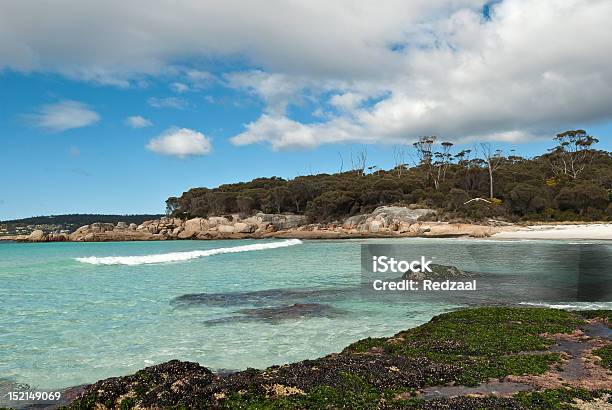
(596,231)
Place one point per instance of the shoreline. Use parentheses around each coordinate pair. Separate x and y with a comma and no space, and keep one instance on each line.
(567,231)
(544,231)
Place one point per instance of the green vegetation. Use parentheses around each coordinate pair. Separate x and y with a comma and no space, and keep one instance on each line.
(605,353)
(68,222)
(599,313)
(353,392)
(572,181)
(478,332)
(545,400)
(465,347)
(557,398)
(482,341)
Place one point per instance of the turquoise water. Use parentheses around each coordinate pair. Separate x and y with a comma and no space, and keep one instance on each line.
(65,322)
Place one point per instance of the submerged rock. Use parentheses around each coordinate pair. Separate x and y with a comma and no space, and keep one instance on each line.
(280,313)
(265,297)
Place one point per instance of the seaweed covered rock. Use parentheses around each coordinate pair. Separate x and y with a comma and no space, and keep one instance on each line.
(173,383)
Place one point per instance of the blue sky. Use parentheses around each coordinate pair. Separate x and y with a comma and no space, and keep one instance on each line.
(236,102)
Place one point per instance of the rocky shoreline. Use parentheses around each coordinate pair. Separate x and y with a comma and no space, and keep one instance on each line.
(383,222)
(489,357)
(386,221)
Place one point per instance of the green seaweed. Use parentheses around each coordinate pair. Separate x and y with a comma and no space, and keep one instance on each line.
(605,353)
(128,403)
(484,342)
(596,314)
(557,398)
(480,331)
(496,368)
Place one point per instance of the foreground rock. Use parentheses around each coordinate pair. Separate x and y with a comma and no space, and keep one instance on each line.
(464,348)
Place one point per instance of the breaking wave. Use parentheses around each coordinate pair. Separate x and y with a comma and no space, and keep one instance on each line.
(183,256)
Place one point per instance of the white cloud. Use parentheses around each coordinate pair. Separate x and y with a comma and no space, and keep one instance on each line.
(347,101)
(517,77)
(277,90)
(181,143)
(279,131)
(179,87)
(167,102)
(62,116)
(136,121)
(434,67)
(199,79)
(343,38)
(198,76)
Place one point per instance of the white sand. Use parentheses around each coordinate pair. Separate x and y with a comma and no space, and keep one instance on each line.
(596,231)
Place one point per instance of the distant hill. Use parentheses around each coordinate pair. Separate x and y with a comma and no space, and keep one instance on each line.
(66,222)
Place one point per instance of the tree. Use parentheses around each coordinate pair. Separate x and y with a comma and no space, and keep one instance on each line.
(299,193)
(472,177)
(526,198)
(358,163)
(493,160)
(573,153)
(279,195)
(465,162)
(581,197)
(221,203)
(399,159)
(172,204)
(244,204)
(458,197)
(423,148)
(443,160)
(329,205)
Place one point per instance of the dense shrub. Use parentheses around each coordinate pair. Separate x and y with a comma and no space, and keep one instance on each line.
(529,189)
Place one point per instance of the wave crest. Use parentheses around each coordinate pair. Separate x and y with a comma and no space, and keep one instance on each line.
(182,256)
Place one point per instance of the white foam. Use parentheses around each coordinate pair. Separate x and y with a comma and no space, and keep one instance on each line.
(576,305)
(183,256)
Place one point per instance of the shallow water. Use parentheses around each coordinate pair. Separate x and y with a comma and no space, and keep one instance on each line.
(66,321)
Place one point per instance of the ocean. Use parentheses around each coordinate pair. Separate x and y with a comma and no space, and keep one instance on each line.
(74,313)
